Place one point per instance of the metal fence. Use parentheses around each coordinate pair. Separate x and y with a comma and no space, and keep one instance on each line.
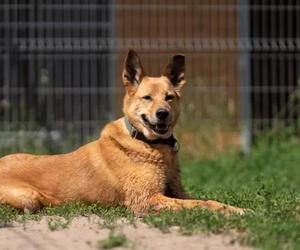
(60,65)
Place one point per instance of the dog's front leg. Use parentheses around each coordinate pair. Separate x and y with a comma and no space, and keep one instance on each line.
(160,202)
(174,188)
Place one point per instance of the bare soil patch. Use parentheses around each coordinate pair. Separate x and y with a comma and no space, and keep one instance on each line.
(86,233)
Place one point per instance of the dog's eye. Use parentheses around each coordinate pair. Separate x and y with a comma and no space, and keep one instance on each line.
(169,97)
(147,97)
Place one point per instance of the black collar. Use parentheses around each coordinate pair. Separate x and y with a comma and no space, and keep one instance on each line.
(171,141)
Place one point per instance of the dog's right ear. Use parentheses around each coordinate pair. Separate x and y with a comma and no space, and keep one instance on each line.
(133,71)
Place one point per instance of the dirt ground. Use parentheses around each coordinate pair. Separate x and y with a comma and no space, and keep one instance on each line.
(84,233)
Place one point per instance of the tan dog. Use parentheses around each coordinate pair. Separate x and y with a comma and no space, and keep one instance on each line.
(133,163)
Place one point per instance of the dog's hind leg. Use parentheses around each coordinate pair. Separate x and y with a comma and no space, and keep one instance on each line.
(20,196)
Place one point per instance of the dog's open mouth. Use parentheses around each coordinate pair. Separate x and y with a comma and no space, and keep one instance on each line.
(160,128)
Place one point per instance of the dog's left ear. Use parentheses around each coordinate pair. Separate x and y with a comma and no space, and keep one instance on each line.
(133,71)
(175,71)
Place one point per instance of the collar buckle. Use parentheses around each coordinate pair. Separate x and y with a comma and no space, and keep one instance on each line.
(176,146)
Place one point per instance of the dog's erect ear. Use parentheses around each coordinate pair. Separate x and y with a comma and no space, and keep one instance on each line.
(175,71)
(133,72)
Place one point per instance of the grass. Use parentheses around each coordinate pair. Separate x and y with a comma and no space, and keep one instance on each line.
(58,224)
(67,212)
(267,181)
(113,240)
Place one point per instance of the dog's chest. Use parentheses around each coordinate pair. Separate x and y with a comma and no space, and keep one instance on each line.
(149,167)
(165,160)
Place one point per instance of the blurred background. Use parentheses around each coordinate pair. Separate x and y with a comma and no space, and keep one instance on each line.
(61,64)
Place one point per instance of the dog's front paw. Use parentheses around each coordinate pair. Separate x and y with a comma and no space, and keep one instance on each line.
(226,209)
(236,210)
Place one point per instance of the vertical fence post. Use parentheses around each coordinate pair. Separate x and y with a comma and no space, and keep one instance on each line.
(244,73)
(111,58)
(6,67)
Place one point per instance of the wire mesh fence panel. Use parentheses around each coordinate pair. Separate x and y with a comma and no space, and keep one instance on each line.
(61,64)
(55,76)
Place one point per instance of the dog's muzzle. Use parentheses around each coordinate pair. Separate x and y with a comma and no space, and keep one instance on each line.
(160,127)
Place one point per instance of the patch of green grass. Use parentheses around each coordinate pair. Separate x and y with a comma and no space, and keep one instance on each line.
(267,181)
(67,211)
(58,224)
(113,240)
(7,215)
(74,209)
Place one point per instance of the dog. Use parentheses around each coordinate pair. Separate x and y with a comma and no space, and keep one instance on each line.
(133,163)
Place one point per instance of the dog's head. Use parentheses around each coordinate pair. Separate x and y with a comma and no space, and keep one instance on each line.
(152,103)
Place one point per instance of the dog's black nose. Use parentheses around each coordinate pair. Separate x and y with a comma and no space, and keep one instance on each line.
(162,114)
